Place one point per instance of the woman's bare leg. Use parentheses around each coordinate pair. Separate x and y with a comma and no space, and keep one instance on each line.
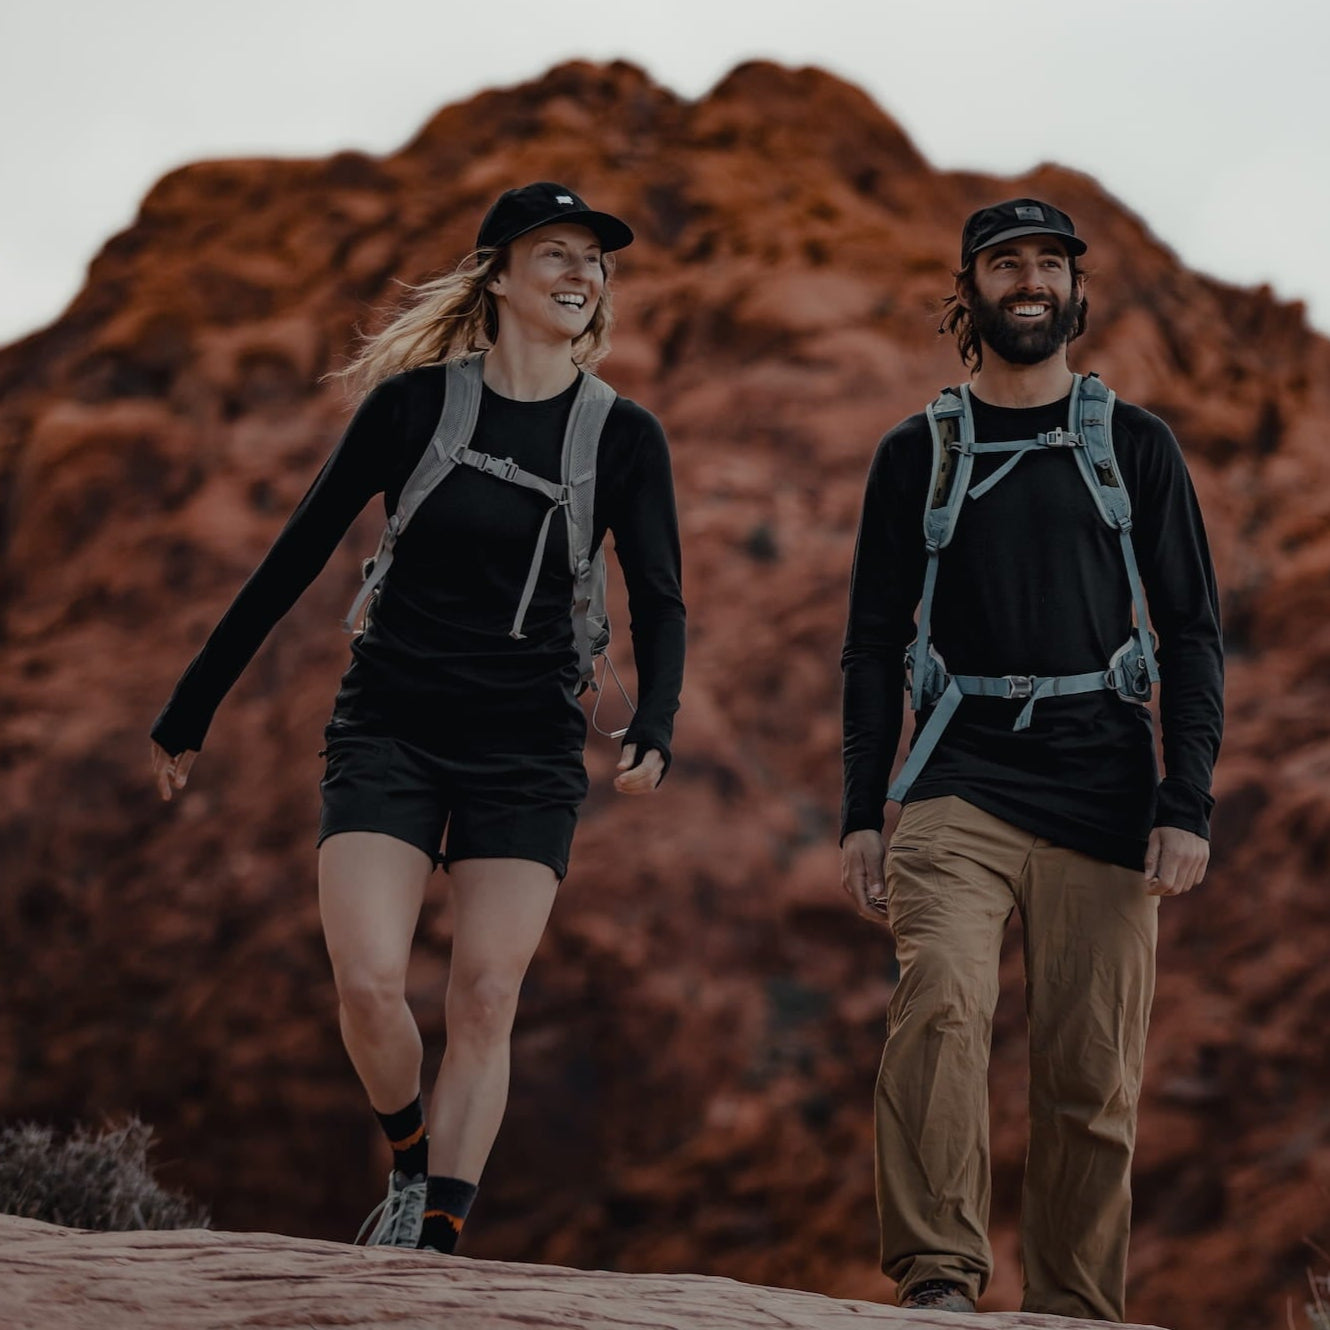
(371,887)
(501,907)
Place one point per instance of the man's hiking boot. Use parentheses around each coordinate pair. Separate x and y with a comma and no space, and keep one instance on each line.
(396,1220)
(938,1295)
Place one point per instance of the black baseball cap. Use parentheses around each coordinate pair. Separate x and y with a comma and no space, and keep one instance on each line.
(1016,217)
(517,211)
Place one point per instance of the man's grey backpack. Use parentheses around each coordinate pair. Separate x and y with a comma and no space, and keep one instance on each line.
(1132,671)
(575,494)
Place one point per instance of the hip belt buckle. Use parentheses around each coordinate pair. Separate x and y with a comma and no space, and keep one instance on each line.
(1020,687)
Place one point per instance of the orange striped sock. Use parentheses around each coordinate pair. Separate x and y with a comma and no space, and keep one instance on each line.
(406,1133)
(447,1204)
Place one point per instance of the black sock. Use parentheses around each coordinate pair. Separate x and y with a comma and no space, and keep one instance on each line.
(447,1204)
(405,1130)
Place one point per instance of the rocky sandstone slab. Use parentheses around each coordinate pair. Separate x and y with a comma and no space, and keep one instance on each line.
(60,1279)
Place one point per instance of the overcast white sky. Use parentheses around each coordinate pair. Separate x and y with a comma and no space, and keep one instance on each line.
(1207,117)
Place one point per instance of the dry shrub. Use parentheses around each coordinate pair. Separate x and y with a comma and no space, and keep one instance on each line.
(1318,1309)
(93,1180)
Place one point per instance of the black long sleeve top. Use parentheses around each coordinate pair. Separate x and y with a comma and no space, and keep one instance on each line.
(436,665)
(1034,583)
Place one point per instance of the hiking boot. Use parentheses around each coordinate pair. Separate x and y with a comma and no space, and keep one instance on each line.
(938,1295)
(396,1220)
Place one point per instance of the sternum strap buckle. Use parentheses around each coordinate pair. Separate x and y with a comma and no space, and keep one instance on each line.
(503,467)
(1061,438)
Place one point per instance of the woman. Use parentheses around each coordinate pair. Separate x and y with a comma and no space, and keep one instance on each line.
(451,715)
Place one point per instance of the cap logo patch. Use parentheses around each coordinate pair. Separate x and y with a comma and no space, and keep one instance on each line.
(564,198)
(1028,214)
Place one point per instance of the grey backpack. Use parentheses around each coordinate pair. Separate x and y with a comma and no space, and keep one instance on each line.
(575,494)
(1132,671)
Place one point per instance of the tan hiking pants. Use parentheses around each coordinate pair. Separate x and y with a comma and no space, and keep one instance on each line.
(954,874)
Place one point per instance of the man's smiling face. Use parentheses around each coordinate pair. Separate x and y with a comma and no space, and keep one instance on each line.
(1025,300)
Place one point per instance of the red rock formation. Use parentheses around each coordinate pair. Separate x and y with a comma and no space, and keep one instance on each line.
(61,1279)
(697,1042)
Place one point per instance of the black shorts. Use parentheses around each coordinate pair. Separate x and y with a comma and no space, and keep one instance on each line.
(492,806)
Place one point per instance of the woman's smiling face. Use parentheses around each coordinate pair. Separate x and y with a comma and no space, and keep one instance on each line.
(552,281)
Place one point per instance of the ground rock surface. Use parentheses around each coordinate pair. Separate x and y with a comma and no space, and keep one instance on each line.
(60,1279)
(698,1036)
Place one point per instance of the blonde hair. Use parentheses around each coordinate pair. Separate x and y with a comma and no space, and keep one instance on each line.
(456,315)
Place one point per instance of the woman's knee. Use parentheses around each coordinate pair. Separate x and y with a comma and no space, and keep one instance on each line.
(370,995)
(481,1007)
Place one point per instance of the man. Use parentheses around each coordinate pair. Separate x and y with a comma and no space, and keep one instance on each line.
(1031,784)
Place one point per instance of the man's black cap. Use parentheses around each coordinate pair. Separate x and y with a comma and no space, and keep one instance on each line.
(1016,217)
(517,211)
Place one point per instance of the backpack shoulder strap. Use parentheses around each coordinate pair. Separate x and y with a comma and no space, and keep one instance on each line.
(457,423)
(1092,422)
(951,425)
(1092,405)
(453,433)
(586,421)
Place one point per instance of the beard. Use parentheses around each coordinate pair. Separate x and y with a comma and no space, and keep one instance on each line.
(1016,342)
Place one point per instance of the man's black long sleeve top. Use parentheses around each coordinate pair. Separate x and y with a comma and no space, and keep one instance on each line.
(1034,583)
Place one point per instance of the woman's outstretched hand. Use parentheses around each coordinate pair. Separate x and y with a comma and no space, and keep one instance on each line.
(170,772)
(644,777)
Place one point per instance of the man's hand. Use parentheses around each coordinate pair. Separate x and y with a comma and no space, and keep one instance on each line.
(862,856)
(1175,861)
(171,773)
(642,778)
